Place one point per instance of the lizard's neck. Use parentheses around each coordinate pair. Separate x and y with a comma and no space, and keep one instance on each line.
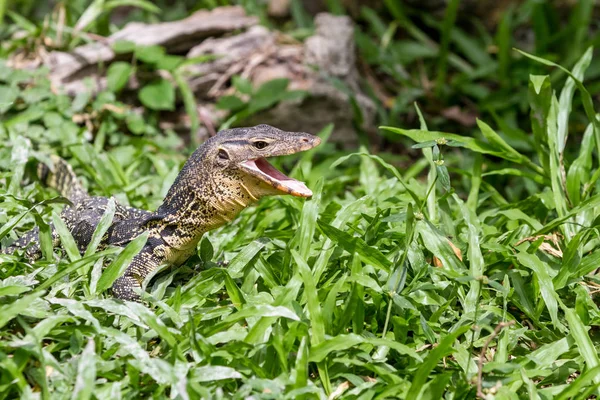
(197,206)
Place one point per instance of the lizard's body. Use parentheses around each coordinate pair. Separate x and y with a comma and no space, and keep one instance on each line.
(223,176)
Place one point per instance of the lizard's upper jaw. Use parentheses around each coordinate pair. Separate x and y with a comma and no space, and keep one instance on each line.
(261,169)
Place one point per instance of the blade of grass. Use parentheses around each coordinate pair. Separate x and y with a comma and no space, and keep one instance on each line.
(316,317)
(86,373)
(353,244)
(444,348)
(102,228)
(586,98)
(66,239)
(74,266)
(119,265)
(547,291)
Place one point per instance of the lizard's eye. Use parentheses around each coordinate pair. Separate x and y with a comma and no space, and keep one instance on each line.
(223,155)
(260,144)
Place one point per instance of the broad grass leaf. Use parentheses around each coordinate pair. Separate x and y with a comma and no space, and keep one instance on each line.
(384,164)
(343,216)
(517,172)
(150,54)
(549,295)
(580,168)
(579,332)
(444,348)
(242,85)
(264,310)
(18,158)
(42,329)
(207,250)
(45,237)
(586,98)
(340,342)
(211,373)
(368,174)
(556,169)
(189,102)
(230,102)
(566,98)
(300,372)
(86,373)
(244,257)
(268,94)
(11,310)
(347,341)
(74,266)
(308,221)
(588,379)
(91,13)
(158,369)
(14,285)
(588,264)
(143,4)
(234,292)
(549,353)
(119,265)
(478,146)
(356,245)
(524,295)
(317,323)
(443,176)
(66,239)
(102,227)
(313,305)
(497,141)
(153,321)
(476,261)
(589,204)
(514,214)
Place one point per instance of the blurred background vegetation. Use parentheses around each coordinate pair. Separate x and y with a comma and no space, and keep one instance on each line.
(454,58)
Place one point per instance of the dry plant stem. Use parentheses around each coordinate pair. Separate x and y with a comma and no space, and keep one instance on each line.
(497,330)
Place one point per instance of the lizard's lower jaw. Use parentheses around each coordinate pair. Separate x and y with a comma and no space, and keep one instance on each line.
(261,169)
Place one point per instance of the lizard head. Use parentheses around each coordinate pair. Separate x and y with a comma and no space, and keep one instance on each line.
(243,151)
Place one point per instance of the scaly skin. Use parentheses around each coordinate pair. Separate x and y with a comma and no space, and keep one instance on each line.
(219,180)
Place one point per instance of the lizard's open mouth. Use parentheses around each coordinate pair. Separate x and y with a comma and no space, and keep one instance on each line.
(264,171)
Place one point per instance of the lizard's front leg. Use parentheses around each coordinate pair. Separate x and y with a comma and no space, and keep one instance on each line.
(141,265)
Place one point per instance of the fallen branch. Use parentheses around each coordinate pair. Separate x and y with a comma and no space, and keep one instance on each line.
(67,70)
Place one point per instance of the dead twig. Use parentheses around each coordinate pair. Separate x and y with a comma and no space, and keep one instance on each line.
(497,330)
(545,247)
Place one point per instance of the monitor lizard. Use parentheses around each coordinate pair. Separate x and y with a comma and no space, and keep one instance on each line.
(223,176)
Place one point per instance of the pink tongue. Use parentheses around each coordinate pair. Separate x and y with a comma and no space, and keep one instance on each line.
(297,186)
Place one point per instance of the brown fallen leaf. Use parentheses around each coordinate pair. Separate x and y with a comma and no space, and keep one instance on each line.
(438,263)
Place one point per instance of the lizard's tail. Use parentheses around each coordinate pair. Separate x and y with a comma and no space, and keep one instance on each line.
(62,178)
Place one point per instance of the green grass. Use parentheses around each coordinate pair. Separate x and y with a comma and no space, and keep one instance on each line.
(359,292)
